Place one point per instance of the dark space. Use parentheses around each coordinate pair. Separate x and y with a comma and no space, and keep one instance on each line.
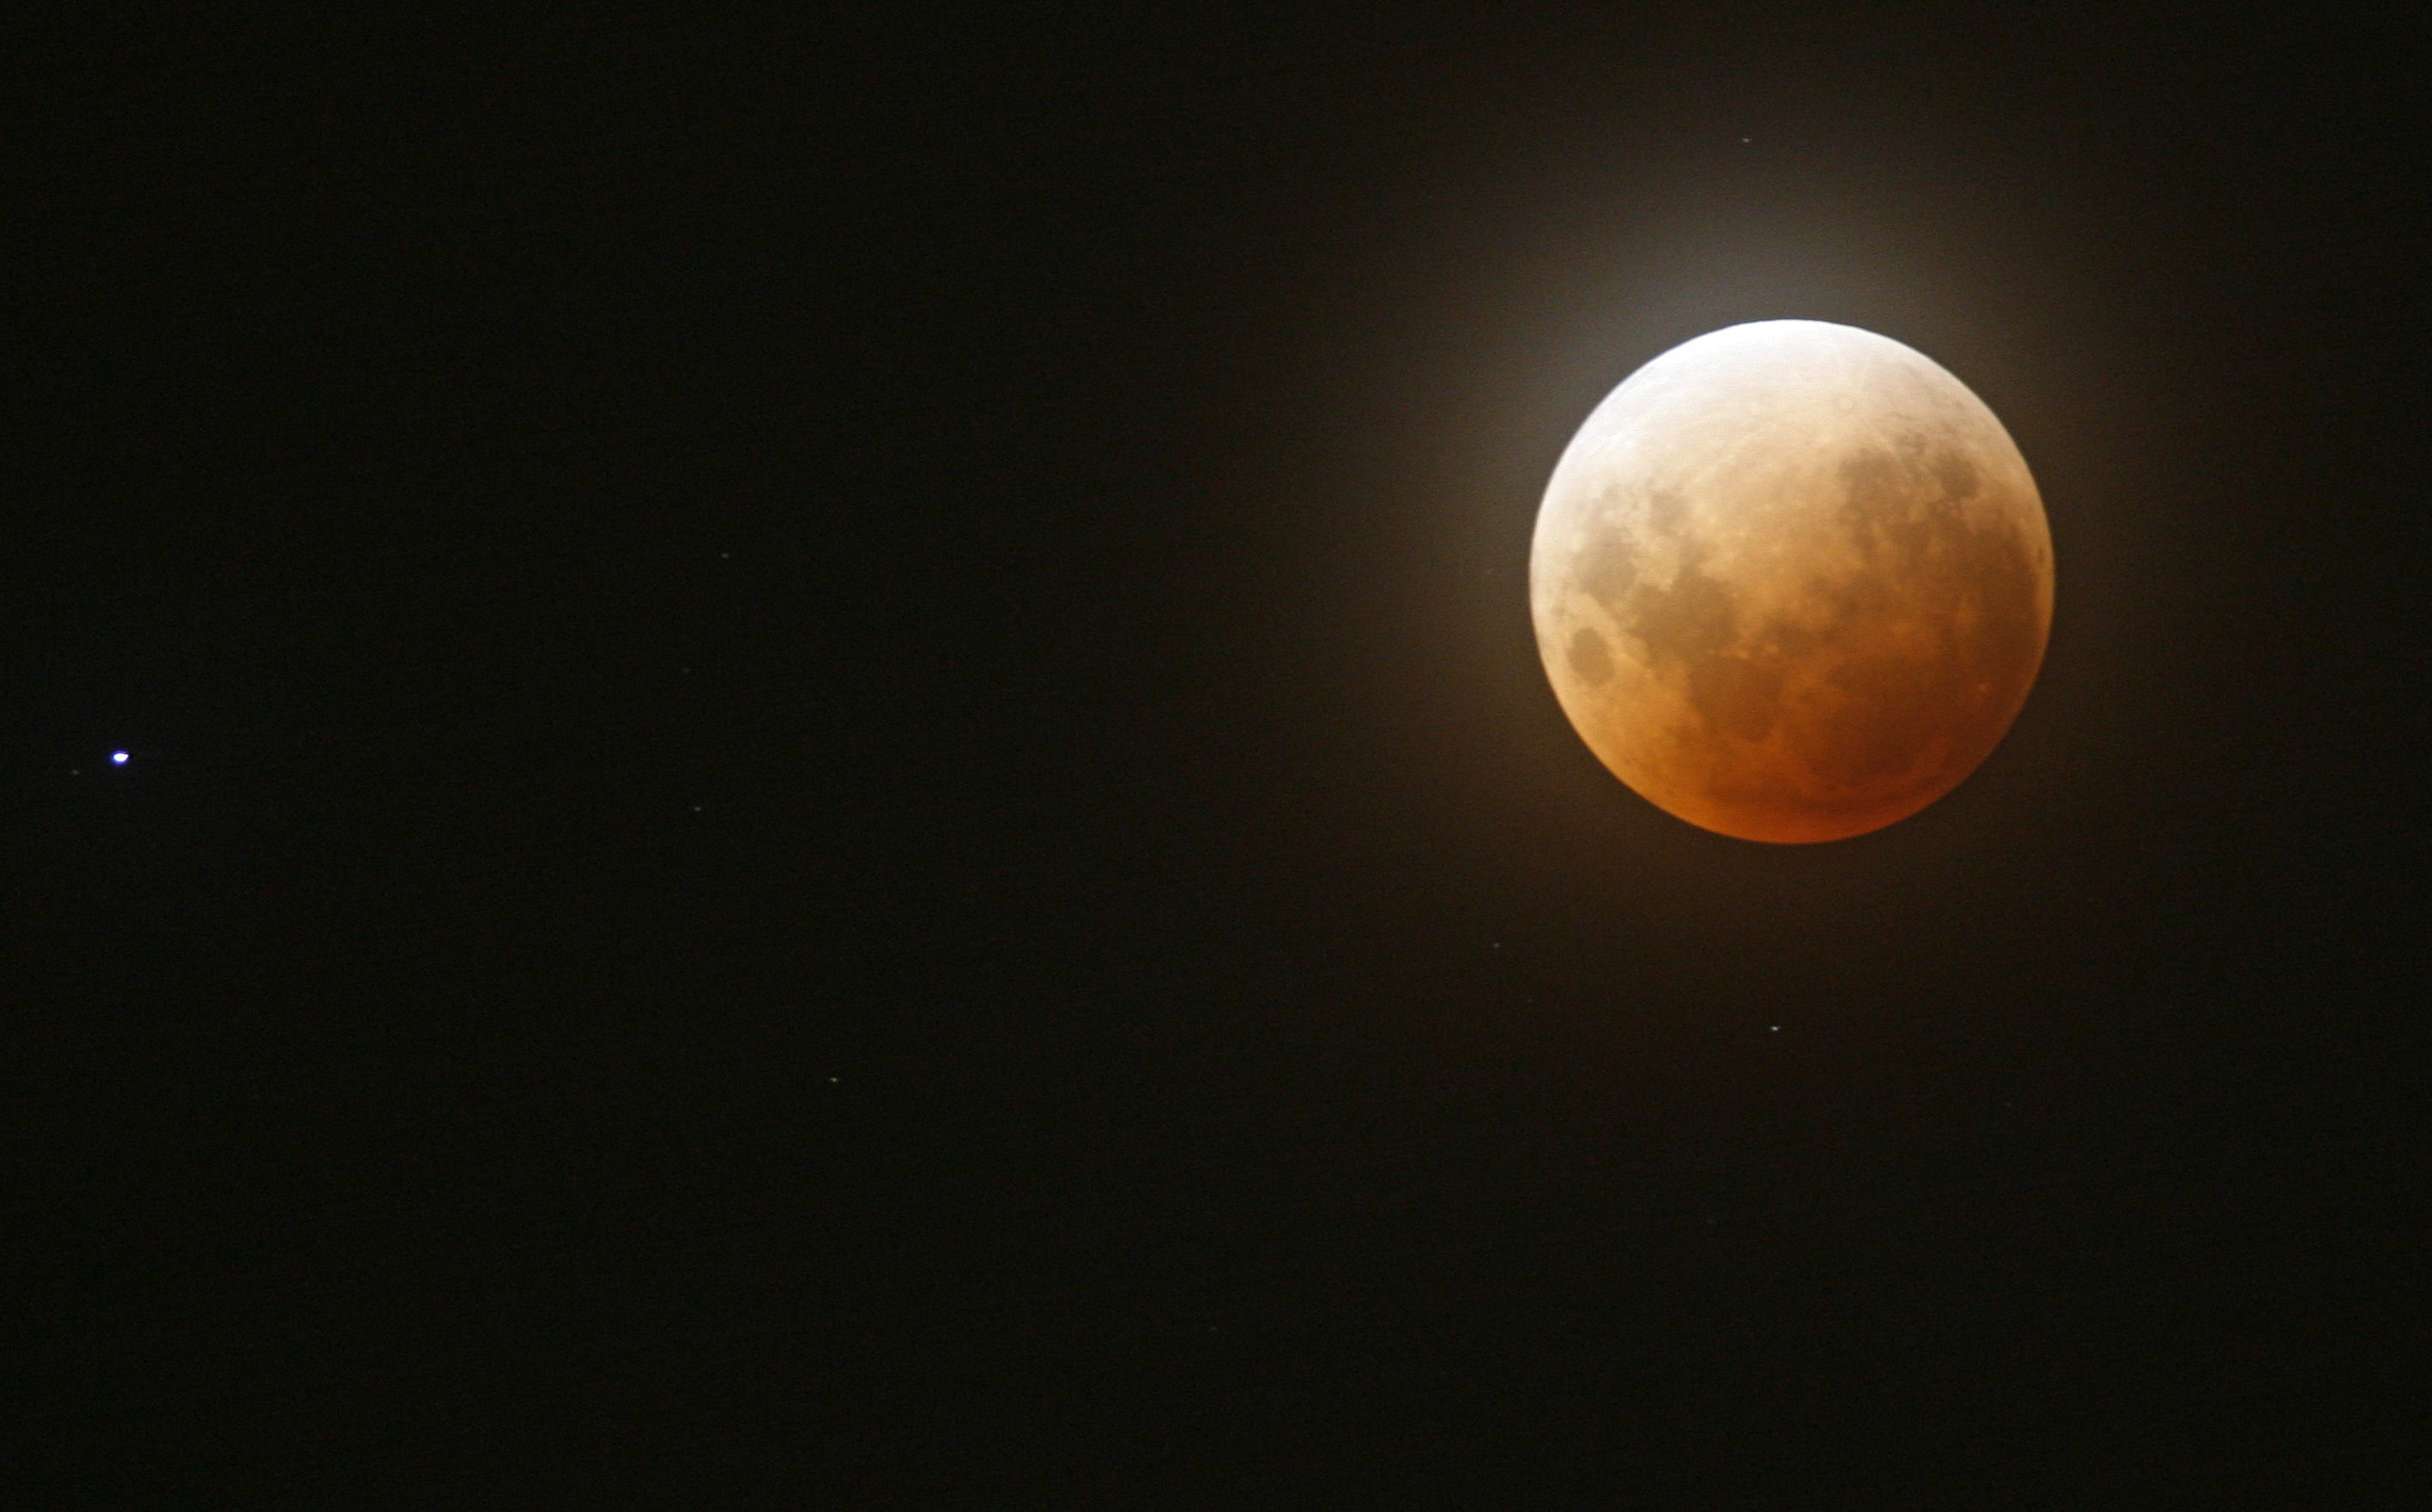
(839,794)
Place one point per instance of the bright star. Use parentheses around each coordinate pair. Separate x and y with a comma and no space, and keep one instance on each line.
(118,758)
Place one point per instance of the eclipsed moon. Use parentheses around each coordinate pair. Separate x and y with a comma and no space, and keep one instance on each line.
(1791,582)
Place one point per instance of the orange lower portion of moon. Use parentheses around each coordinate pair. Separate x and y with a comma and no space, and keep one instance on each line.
(1792,581)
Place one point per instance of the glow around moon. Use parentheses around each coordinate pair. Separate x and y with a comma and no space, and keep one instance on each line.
(1791,582)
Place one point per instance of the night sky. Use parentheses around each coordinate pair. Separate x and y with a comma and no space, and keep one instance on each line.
(839,794)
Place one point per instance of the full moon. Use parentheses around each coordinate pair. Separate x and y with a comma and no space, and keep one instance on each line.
(1791,582)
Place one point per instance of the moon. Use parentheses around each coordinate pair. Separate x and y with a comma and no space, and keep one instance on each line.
(1791,582)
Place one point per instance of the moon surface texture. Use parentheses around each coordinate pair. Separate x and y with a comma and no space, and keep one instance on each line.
(1791,582)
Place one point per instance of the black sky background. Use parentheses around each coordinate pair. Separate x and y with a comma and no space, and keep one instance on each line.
(840,795)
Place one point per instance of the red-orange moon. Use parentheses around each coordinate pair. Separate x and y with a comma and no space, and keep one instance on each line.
(1791,582)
